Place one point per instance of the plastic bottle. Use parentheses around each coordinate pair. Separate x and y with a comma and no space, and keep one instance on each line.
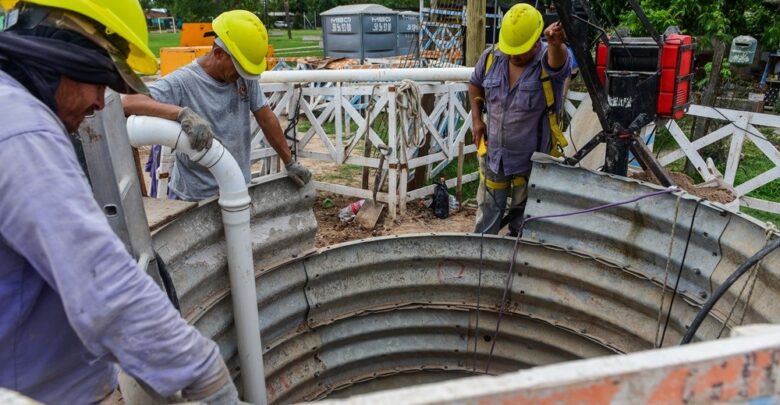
(348,213)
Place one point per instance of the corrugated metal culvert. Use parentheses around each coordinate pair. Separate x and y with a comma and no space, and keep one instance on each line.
(394,311)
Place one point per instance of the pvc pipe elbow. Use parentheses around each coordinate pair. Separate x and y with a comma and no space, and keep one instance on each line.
(144,130)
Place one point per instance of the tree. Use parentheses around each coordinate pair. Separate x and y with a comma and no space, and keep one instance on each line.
(206,10)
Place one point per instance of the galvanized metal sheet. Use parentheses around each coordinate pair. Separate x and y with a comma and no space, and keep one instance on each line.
(742,238)
(635,236)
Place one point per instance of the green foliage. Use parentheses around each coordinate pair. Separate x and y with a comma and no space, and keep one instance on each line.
(723,19)
(725,73)
(206,10)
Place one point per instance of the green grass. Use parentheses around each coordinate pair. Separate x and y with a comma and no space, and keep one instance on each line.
(168,39)
(282,42)
(163,40)
(346,174)
(470,165)
(753,163)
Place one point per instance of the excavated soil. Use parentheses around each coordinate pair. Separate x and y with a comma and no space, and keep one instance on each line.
(418,219)
(686,183)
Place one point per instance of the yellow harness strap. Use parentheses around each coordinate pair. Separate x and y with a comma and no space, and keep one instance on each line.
(502,185)
(557,139)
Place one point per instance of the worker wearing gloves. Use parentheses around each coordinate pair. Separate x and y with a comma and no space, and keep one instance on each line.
(519,83)
(216,95)
(73,302)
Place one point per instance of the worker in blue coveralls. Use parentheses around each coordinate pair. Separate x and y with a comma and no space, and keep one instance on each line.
(73,302)
(519,84)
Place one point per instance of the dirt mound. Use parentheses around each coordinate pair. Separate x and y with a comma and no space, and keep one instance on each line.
(686,183)
(418,219)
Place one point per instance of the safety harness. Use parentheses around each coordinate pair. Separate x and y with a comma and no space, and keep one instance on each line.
(557,139)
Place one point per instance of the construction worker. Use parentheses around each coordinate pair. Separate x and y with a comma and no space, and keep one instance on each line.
(219,91)
(519,83)
(73,301)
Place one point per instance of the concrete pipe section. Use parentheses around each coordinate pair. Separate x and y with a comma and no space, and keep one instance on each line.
(390,312)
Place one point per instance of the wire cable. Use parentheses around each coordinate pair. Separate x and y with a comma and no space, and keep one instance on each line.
(510,273)
(739,272)
(679,272)
(666,271)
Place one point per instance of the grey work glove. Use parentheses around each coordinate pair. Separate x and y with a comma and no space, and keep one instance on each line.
(197,129)
(216,388)
(297,173)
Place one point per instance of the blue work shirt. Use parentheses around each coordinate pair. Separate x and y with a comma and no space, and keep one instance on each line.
(517,125)
(73,302)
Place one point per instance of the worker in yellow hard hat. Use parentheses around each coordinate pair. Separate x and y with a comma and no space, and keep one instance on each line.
(519,84)
(218,95)
(73,301)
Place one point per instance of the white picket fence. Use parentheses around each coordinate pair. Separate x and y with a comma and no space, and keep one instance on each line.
(342,103)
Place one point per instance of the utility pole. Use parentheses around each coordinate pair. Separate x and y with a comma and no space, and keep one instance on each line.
(475,30)
(287,18)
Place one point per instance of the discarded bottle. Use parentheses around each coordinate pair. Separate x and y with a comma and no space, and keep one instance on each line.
(348,213)
(441,200)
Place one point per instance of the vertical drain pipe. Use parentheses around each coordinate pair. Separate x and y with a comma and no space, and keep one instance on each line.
(234,200)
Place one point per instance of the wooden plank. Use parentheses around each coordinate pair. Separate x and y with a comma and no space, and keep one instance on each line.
(426,160)
(378,106)
(767,148)
(763,205)
(769,120)
(475,30)
(428,190)
(735,152)
(349,191)
(392,141)
(701,142)
(376,110)
(262,153)
(313,120)
(689,150)
(313,130)
(459,187)
(758,181)
(139,172)
(161,212)
(577,95)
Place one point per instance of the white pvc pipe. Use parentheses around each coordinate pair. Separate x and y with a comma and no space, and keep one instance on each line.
(459,74)
(234,200)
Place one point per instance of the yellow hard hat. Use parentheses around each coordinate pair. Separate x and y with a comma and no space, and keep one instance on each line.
(123,18)
(246,40)
(521,27)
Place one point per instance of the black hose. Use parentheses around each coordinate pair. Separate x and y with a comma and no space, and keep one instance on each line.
(747,265)
(170,289)
(679,272)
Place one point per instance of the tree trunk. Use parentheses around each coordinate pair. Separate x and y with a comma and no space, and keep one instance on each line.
(475,30)
(709,95)
(287,18)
